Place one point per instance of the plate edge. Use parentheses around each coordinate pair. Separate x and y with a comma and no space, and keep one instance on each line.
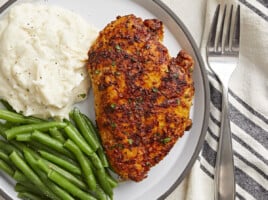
(6,5)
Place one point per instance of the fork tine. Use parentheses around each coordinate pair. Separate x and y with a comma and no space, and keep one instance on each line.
(213,30)
(220,39)
(236,33)
(227,40)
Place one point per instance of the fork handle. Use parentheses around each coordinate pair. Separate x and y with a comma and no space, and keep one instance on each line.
(224,172)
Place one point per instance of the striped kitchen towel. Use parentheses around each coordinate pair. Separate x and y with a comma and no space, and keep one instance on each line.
(248,100)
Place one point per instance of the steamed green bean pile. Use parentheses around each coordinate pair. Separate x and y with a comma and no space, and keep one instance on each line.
(54,159)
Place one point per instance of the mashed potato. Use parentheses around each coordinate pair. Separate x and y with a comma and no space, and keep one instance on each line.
(42,61)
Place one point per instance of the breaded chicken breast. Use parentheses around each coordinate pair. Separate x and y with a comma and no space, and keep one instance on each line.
(142,95)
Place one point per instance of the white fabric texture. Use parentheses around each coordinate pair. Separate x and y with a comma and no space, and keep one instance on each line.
(248,98)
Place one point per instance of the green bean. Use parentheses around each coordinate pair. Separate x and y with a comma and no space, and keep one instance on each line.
(71,114)
(55,133)
(8,125)
(19,177)
(4,157)
(39,146)
(25,137)
(27,187)
(92,128)
(73,134)
(102,179)
(112,181)
(43,126)
(28,184)
(50,142)
(30,174)
(96,161)
(6,168)
(18,118)
(31,157)
(101,195)
(103,157)
(61,162)
(2,130)
(7,148)
(53,187)
(28,196)
(18,145)
(68,186)
(56,189)
(86,169)
(21,146)
(21,188)
(46,166)
(83,127)
(100,150)
(36,146)
(81,143)
(23,166)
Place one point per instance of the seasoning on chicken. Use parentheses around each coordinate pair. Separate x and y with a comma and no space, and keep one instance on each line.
(142,95)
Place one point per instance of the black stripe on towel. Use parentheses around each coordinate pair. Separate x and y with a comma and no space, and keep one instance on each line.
(204,169)
(249,126)
(254,9)
(248,107)
(242,179)
(259,156)
(213,119)
(209,154)
(242,143)
(239,196)
(215,96)
(264,3)
(236,138)
(250,164)
(215,137)
(250,185)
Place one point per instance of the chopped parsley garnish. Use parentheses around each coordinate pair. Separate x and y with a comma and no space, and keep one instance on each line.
(117,73)
(113,125)
(166,140)
(191,69)
(175,75)
(113,105)
(154,89)
(130,141)
(117,47)
(82,95)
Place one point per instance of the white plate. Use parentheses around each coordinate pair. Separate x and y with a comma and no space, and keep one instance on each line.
(164,177)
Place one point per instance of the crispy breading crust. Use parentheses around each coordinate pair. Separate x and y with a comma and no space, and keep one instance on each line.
(142,95)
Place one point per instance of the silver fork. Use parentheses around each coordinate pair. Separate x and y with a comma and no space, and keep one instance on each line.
(222,56)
